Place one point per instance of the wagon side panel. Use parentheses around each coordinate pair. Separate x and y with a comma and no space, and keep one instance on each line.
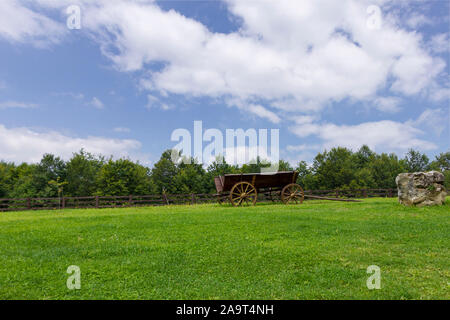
(280,179)
(231,180)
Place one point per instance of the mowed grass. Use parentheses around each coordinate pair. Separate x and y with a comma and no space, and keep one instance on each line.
(318,250)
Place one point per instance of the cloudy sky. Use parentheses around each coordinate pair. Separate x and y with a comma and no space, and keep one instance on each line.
(326,73)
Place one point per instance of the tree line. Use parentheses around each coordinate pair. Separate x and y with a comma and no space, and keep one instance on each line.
(86,174)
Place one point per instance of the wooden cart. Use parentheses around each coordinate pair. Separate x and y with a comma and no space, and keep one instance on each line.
(243,189)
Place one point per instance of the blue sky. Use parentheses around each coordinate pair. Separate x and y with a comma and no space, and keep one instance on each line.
(326,73)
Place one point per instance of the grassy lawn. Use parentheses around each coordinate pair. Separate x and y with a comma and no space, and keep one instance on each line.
(319,250)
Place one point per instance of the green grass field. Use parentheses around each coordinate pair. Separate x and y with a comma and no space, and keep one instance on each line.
(319,250)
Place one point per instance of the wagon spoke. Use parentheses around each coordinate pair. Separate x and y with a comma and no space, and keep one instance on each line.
(292,193)
(242,193)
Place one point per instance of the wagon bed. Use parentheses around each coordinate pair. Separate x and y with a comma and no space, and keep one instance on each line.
(258,180)
(241,189)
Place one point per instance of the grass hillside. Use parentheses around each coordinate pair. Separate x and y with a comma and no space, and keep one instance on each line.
(319,250)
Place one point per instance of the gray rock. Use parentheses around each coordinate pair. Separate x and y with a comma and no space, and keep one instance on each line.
(421,188)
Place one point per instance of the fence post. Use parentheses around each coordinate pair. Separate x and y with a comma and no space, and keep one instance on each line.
(365,193)
(193,199)
(96,201)
(165,200)
(390,193)
(63,204)
(28,203)
(130,200)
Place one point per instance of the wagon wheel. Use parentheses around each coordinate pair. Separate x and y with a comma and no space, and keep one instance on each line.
(292,193)
(243,193)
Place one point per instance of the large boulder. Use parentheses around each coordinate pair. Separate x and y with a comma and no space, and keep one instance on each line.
(421,188)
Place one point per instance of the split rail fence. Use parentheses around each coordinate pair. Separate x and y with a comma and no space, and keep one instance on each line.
(166,199)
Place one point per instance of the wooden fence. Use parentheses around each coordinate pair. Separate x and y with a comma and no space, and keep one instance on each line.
(165,199)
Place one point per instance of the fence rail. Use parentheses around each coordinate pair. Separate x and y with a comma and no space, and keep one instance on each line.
(22,204)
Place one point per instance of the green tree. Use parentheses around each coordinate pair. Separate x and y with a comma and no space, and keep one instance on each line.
(220,167)
(191,178)
(59,185)
(284,166)
(334,169)
(23,182)
(253,166)
(86,174)
(123,177)
(6,178)
(364,179)
(49,168)
(306,178)
(82,171)
(4,189)
(163,173)
(442,162)
(363,157)
(385,168)
(416,161)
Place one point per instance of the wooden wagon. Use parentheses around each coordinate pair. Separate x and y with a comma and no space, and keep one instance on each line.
(243,189)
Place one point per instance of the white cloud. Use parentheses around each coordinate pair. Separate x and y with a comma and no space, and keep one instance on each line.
(25,144)
(433,119)
(440,43)
(305,126)
(154,102)
(262,112)
(387,104)
(414,73)
(417,20)
(289,55)
(254,109)
(305,119)
(21,24)
(380,136)
(97,103)
(17,104)
(440,94)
